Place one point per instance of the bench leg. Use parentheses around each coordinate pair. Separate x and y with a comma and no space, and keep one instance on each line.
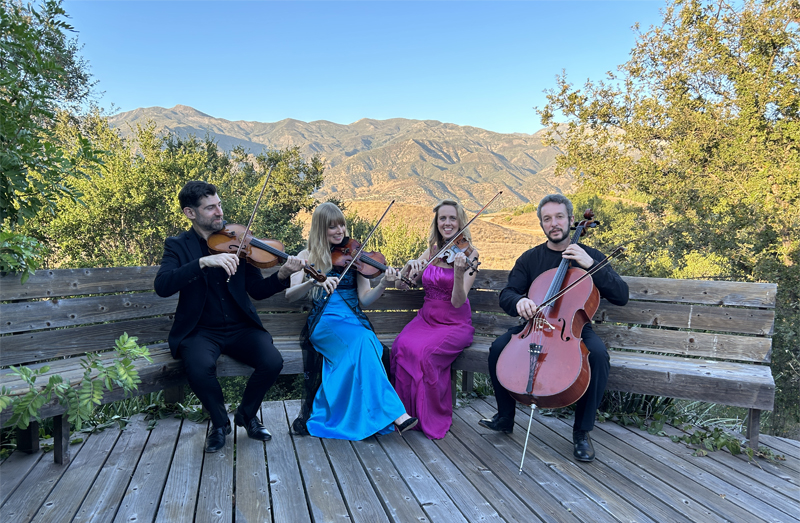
(753,428)
(28,439)
(454,385)
(174,395)
(61,440)
(467,381)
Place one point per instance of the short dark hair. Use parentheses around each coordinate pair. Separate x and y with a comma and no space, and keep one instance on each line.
(194,191)
(557,198)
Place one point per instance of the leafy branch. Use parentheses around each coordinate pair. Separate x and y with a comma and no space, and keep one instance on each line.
(79,399)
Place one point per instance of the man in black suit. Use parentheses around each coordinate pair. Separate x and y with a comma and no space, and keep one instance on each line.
(215,316)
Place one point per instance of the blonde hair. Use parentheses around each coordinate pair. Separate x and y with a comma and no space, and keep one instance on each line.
(435,237)
(319,250)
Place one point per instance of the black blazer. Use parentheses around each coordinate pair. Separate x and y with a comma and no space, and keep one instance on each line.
(180,272)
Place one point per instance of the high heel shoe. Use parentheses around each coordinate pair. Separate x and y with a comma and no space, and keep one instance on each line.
(408,424)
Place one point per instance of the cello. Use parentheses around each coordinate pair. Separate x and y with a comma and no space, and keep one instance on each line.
(547,364)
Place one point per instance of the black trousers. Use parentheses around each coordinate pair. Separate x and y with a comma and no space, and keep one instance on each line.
(249,345)
(586,407)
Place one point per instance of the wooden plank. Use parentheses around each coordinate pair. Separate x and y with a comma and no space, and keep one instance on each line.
(66,496)
(646,487)
(68,312)
(252,489)
(689,316)
(748,494)
(782,494)
(466,497)
(433,499)
(285,483)
(14,469)
(546,496)
(23,503)
(482,478)
(589,499)
(704,345)
(396,498)
(362,503)
(721,382)
(105,496)
(140,500)
(70,282)
(788,447)
(672,463)
(59,343)
(180,492)
(731,293)
(324,497)
(215,496)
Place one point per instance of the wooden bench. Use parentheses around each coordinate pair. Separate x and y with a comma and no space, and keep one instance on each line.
(696,340)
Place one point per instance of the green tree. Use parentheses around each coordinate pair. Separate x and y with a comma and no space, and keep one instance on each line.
(130,207)
(42,79)
(701,130)
(41,76)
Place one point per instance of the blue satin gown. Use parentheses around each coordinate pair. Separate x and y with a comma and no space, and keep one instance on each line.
(355,399)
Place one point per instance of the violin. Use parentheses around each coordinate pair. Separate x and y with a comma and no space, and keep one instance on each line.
(369,264)
(260,253)
(547,363)
(459,244)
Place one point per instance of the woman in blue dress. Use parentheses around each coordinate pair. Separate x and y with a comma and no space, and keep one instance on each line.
(348,395)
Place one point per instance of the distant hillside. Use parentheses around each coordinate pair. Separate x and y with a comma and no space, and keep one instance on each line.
(414,161)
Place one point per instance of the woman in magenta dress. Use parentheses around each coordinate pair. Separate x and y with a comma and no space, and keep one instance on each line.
(423,352)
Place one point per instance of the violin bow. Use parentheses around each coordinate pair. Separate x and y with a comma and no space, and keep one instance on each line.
(253,216)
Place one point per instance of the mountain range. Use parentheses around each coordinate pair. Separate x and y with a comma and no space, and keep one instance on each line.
(413,161)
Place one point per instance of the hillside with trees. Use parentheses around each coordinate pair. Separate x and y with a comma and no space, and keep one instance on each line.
(414,161)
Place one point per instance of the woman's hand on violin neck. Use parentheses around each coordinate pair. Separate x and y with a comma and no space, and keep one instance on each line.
(413,267)
(225,260)
(292,265)
(391,275)
(581,257)
(526,308)
(330,284)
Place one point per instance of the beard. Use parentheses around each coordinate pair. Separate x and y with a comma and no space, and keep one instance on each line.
(557,235)
(210,224)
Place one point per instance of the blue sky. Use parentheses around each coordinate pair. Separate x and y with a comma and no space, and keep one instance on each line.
(484,64)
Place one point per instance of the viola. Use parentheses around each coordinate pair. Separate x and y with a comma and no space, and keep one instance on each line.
(260,253)
(369,264)
(547,363)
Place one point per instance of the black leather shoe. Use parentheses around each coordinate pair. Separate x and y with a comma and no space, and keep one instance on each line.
(216,438)
(584,450)
(408,424)
(255,430)
(498,423)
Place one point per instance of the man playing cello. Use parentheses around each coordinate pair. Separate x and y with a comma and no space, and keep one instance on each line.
(555,216)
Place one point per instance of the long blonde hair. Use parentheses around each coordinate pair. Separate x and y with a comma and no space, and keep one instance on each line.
(319,250)
(435,238)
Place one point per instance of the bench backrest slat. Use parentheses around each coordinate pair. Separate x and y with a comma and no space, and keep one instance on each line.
(728,293)
(123,296)
(70,282)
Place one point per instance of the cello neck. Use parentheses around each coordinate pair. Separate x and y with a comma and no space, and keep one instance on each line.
(558,280)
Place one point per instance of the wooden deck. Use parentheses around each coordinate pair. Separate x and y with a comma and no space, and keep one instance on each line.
(470,475)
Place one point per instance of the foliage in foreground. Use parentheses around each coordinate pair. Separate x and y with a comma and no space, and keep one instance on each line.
(78,399)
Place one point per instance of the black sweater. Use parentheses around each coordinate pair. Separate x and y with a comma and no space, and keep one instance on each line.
(539,259)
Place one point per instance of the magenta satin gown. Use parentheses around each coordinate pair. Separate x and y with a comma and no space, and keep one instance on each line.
(423,352)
